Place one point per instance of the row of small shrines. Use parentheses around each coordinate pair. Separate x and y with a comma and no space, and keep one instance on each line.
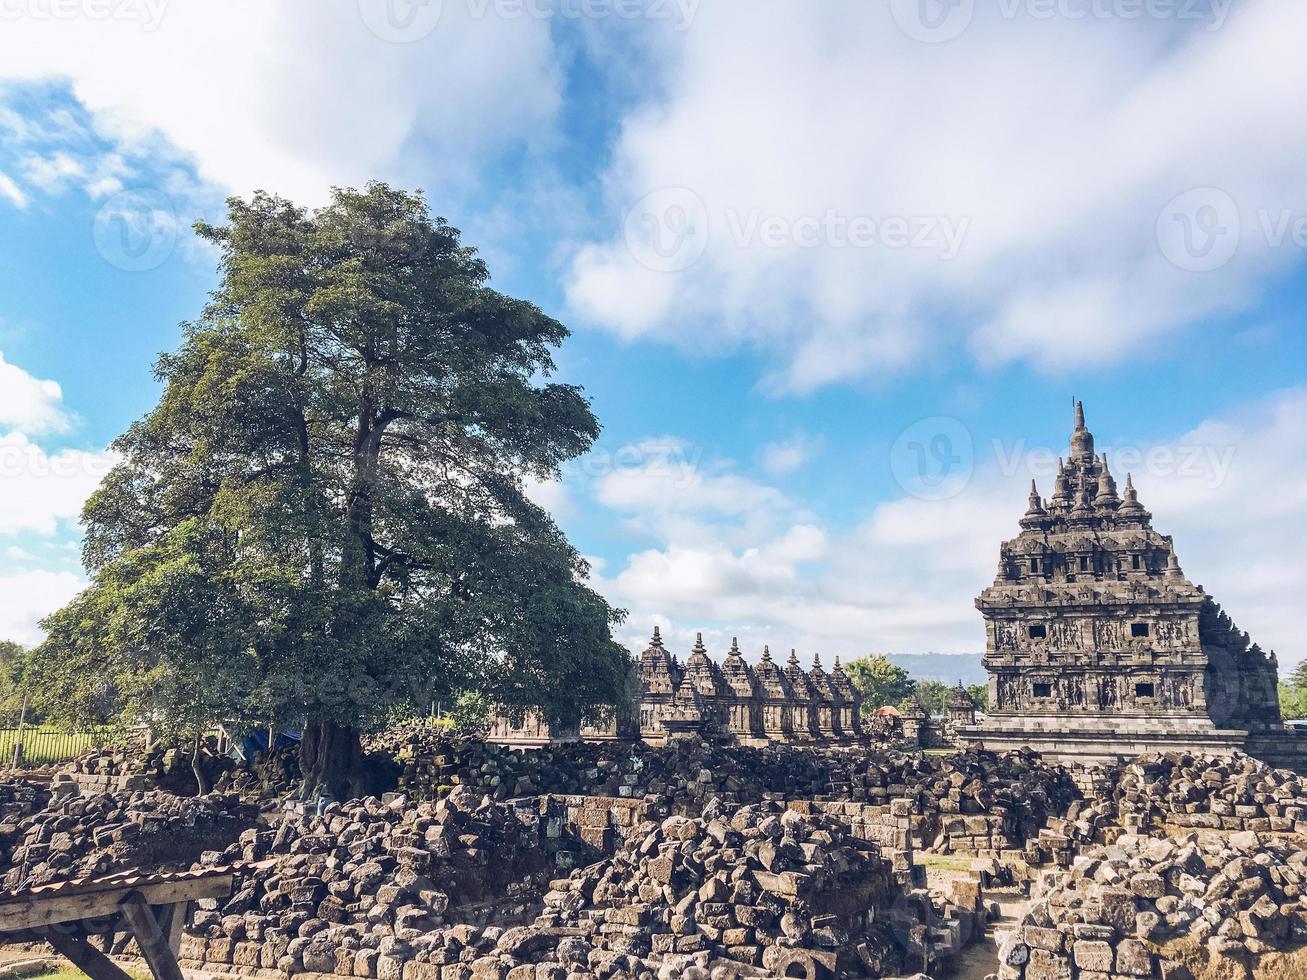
(747,704)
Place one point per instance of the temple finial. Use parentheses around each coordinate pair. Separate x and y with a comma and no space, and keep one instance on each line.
(766,652)
(1082,441)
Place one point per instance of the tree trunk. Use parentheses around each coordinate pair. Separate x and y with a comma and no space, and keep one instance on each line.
(201,783)
(331,761)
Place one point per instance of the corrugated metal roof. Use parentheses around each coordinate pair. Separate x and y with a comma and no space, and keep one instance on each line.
(126,879)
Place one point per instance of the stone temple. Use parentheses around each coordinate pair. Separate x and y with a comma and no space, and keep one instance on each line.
(1097,645)
(731,701)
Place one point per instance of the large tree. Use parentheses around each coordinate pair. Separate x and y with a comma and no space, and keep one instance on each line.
(879,681)
(324,518)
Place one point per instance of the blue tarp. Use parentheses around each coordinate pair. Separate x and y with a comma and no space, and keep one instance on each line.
(257,741)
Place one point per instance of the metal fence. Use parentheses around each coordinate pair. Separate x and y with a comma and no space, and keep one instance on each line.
(46,745)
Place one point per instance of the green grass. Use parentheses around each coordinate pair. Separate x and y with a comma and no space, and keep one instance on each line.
(44,744)
(944,862)
(942,751)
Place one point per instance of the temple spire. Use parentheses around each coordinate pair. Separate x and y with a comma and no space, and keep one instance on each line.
(1035,516)
(1061,487)
(1036,506)
(1130,505)
(1106,497)
(1082,440)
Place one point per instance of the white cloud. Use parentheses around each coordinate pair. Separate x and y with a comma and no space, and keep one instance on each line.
(550,494)
(788,455)
(265,95)
(39,490)
(29,404)
(1049,148)
(31,596)
(1232,492)
(12,192)
(53,172)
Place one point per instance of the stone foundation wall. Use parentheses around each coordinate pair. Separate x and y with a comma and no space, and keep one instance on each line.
(602,822)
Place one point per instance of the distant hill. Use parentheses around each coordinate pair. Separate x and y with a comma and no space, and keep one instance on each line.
(947,667)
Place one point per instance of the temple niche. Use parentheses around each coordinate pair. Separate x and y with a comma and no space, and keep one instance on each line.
(1097,645)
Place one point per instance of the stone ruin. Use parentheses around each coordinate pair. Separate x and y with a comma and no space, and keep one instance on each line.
(719,861)
(730,701)
(1099,648)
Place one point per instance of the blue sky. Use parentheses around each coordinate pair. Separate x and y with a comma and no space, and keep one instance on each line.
(798,246)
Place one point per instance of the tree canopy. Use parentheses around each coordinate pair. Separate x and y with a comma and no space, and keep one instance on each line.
(324,519)
(879,681)
(11,694)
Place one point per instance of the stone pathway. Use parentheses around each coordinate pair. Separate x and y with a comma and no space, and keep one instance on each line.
(979,961)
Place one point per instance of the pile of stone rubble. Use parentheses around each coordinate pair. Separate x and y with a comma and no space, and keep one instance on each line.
(1139,907)
(1016,787)
(1203,792)
(370,886)
(74,836)
(18,799)
(763,886)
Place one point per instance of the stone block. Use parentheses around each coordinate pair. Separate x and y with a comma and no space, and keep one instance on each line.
(1092,954)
